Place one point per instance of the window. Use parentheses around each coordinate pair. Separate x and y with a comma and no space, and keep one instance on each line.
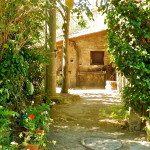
(97,57)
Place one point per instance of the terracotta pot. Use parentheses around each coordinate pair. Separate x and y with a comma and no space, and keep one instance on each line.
(39,131)
(32,147)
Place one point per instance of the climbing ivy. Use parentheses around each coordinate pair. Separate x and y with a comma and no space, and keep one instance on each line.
(129,45)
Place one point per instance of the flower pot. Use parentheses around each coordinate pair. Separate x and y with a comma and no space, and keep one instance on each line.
(39,131)
(148,130)
(32,147)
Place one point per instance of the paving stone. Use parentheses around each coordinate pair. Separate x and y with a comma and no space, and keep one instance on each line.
(101,143)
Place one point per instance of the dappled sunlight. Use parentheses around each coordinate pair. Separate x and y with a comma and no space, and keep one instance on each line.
(109,121)
(101,101)
(93,92)
(93,128)
(143,143)
(90,91)
(112,124)
(106,101)
(75,127)
(96,95)
(117,133)
(98,115)
(86,91)
(138,143)
(62,127)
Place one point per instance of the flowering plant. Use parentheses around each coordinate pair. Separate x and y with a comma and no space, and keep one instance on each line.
(36,117)
(31,116)
(34,138)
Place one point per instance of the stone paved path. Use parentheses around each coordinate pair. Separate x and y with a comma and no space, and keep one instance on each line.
(79,125)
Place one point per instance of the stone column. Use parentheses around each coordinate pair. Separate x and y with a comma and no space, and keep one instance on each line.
(134,120)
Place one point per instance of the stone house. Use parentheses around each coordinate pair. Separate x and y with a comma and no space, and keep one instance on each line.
(89,62)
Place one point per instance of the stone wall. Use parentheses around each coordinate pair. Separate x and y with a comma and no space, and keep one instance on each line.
(81,72)
(88,45)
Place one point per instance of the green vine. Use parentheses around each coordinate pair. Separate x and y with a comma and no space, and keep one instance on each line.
(129,45)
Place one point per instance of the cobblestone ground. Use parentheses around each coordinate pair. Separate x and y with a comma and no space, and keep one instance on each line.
(86,124)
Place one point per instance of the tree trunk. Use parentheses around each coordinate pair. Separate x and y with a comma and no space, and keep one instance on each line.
(51,47)
(65,65)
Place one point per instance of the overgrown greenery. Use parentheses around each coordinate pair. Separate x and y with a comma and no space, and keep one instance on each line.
(5,126)
(21,59)
(129,45)
(82,9)
(115,112)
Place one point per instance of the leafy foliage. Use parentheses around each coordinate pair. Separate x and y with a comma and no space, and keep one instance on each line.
(82,9)
(5,125)
(34,138)
(21,57)
(20,61)
(19,23)
(129,44)
(117,113)
(36,117)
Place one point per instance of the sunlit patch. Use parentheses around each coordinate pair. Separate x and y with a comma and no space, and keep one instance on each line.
(63,127)
(140,145)
(94,128)
(91,92)
(108,120)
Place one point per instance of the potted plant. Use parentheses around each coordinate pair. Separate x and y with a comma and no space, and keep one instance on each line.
(35,120)
(33,140)
(32,147)
(36,117)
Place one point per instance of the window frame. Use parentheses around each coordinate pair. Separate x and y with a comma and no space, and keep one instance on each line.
(94,61)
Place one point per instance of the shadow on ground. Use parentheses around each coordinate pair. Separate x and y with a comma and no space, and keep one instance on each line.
(80,125)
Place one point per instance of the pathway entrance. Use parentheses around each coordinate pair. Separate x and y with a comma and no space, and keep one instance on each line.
(86,124)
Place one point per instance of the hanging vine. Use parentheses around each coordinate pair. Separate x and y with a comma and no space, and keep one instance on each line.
(129,45)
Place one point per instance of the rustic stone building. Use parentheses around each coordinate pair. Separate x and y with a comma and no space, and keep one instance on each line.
(89,63)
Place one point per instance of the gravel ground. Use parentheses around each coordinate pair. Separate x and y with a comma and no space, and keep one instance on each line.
(85,124)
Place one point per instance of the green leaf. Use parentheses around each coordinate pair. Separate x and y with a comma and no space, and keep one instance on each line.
(6,46)
(147,35)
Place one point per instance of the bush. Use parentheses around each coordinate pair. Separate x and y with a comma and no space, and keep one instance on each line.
(129,46)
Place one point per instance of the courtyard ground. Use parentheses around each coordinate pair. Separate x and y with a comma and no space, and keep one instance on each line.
(88,123)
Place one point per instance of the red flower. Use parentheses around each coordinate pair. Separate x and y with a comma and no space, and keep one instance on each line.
(31,116)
